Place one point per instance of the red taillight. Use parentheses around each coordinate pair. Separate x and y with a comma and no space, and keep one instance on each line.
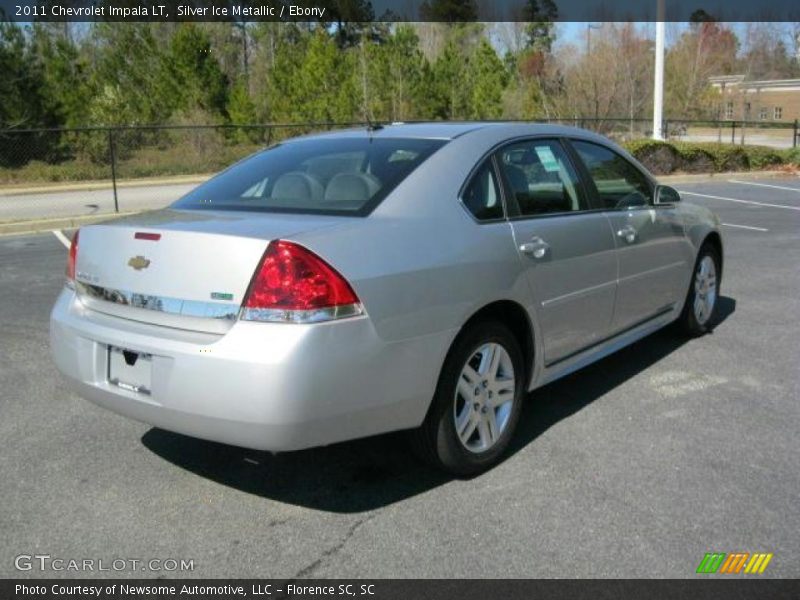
(142,235)
(73,257)
(294,284)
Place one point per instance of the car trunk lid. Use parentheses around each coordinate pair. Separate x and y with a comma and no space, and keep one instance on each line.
(183,269)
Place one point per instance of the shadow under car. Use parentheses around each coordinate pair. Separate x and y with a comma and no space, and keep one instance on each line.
(369,473)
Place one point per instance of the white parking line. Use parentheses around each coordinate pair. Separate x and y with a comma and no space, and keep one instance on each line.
(766,185)
(737,200)
(745,227)
(62,238)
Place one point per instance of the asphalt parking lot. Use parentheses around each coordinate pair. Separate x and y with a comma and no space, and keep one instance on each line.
(634,467)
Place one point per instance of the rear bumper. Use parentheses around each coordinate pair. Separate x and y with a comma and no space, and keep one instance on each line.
(266,386)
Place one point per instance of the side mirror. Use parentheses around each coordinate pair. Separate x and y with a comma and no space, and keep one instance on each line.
(667,195)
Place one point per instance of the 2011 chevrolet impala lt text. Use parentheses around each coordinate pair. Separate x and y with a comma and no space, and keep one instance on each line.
(418,276)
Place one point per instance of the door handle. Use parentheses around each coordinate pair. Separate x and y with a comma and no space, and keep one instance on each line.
(627,233)
(536,248)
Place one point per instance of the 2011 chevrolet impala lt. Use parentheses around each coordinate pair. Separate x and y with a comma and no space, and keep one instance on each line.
(418,276)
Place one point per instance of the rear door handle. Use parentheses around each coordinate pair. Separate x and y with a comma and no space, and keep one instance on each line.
(536,248)
(627,233)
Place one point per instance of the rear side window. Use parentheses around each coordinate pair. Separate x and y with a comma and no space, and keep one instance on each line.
(347,176)
(482,195)
(540,178)
(619,184)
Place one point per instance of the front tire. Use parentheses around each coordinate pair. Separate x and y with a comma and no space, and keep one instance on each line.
(477,403)
(700,310)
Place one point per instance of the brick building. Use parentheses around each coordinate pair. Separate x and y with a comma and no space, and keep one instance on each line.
(766,100)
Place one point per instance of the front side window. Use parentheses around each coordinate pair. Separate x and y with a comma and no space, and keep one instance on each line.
(540,178)
(762,114)
(482,194)
(619,184)
(778,113)
(347,176)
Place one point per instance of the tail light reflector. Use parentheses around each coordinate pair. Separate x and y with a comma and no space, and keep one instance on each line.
(72,258)
(143,235)
(294,285)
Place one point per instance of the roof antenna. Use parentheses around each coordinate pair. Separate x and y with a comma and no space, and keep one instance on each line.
(373,125)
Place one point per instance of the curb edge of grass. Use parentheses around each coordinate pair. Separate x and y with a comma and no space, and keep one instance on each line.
(699,177)
(86,186)
(42,225)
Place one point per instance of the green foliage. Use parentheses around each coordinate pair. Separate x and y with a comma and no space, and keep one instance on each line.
(22,97)
(180,158)
(21,101)
(761,157)
(193,71)
(405,74)
(791,156)
(487,78)
(66,86)
(447,90)
(242,111)
(130,74)
(663,158)
(348,69)
(317,86)
(540,29)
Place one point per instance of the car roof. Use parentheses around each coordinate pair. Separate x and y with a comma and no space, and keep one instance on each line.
(451,130)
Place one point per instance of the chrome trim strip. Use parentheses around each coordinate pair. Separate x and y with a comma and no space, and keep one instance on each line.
(680,263)
(222,311)
(174,306)
(580,292)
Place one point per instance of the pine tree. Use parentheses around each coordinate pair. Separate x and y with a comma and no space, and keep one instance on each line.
(540,29)
(66,85)
(198,80)
(487,80)
(21,101)
(129,79)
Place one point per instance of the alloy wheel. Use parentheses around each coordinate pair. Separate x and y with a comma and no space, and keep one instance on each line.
(484,397)
(705,289)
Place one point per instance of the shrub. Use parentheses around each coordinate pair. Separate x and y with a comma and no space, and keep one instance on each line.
(791,157)
(663,158)
(659,157)
(40,172)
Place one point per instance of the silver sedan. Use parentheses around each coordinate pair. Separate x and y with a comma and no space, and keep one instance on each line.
(419,276)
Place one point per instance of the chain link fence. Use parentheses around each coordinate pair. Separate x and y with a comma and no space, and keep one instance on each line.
(774,134)
(51,173)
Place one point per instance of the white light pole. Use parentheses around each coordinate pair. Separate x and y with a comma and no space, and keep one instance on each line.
(658,86)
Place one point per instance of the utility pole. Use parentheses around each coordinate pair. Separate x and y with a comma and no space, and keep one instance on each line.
(658,85)
(589,28)
(245,62)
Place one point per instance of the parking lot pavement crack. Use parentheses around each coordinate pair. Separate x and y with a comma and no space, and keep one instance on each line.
(309,570)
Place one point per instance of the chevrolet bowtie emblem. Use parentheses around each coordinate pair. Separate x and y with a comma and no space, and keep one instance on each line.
(139,263)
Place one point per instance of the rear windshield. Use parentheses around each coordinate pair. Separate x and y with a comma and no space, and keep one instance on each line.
(347,176)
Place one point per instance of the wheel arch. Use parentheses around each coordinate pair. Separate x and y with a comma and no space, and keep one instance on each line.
(516,318)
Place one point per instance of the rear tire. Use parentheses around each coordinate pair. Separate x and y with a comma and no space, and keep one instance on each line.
(700,309)
(477,402)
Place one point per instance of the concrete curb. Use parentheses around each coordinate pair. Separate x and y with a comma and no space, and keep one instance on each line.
(39,225)
(86,186)
(700,177)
